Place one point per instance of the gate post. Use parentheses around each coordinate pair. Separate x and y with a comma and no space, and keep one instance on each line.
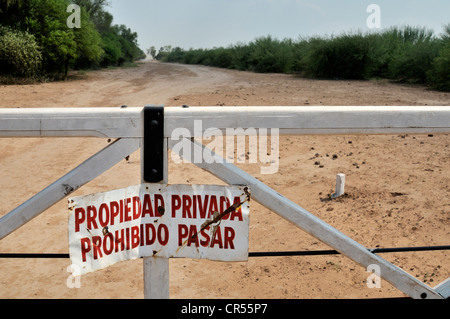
(154,169)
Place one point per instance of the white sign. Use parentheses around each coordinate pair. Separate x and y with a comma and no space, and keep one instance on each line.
(194,221)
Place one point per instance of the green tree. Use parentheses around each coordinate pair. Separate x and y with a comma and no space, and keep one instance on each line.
(89,43)
(46,20)
(152,52)
(119,43)
(113,49)
(101,18)
(96,43)
(439,74)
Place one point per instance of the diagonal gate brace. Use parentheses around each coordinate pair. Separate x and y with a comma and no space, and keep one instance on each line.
(313,225)
(85,172)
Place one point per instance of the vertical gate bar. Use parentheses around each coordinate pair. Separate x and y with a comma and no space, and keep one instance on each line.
(153,146)
(154,169)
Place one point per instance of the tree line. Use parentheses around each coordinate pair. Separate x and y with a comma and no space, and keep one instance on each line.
(408,54)
(35,40)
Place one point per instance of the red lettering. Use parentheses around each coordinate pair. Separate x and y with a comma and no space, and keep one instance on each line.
(202,206)
(136,207)
(238,212)
(96,243)
(108,248)
(127,203)
(212,206)
(141,226)
(147,209)
(114,211)
(194,205)
(229,237)
(134,236)
(193,236)
(103,218)
(150,240)
(182,233)
(127,238)
(217,238)
(120,240)
(163,240)
(80,216)
(85,247)
(187,202)
(121,210)
(91,215)
(224,204)
(176,204)
(205,242)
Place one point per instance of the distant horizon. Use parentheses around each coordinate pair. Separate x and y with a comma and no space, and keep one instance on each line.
(205,24)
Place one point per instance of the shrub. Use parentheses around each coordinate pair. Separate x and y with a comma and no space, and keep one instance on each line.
(346,57)
(270,55)
(402,53)
(222,58)
(19,53)
(439,75)
(413,60)
(412,51)
(240,56)
(113,50)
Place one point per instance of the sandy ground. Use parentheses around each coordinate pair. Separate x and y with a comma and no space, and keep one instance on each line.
(398,188)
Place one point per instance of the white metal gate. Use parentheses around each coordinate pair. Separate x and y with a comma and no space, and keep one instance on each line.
(131,130)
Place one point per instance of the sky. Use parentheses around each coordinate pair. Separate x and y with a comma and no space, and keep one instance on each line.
(216,23)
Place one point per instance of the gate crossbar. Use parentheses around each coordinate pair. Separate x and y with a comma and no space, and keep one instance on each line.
(128,123)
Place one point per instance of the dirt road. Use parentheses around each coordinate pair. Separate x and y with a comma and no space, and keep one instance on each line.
(398,188)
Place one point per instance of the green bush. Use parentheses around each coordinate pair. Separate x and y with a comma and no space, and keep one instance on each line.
(413,61)
(19,53)
(270,55)
(112,50)
(299,53)
(240,56)
(407,53)
(412,51)
(221,58)
(349,56)
(439,75)
(175,55)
